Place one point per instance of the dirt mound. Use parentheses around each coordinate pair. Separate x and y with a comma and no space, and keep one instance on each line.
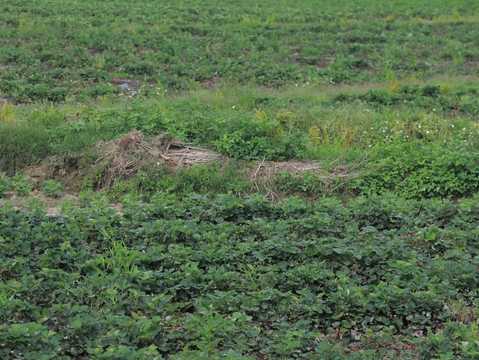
(52,206)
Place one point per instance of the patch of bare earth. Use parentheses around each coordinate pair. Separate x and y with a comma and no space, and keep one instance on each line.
(52,205)
(320,63)
(3,101)
(127,86)
(211,83)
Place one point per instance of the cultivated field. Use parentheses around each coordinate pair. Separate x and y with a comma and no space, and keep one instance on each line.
(239,179)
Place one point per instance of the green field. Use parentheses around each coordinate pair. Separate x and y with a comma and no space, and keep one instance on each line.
(239,179)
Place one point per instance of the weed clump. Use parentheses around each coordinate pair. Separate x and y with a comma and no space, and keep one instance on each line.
(52,188)
(421,171)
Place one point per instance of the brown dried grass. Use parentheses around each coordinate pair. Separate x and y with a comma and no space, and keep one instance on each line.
(124,157)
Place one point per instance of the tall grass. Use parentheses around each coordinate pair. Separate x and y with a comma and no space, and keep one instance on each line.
(249,123)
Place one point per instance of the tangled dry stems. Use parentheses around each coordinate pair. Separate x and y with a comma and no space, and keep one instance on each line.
(124,157)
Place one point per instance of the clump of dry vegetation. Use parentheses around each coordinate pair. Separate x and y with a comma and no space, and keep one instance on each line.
(122,158)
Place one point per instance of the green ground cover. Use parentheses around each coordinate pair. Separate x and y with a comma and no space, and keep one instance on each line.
(56,49)
(375,256)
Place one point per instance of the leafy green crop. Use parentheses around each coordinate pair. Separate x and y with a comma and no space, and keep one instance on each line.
(240,278)
(58,50)
(21,185)
(419,171)
(52,188)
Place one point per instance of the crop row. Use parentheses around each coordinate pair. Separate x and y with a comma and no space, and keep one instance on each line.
(240,278)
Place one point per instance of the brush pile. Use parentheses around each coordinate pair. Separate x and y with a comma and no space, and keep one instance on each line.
(124,157)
